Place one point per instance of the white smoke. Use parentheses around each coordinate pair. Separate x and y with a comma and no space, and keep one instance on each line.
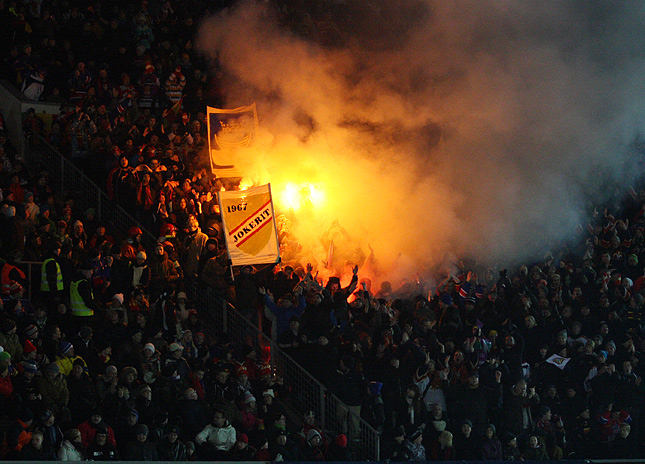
(443,127)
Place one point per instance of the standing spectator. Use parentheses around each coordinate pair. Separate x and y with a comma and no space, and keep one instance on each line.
(350,387)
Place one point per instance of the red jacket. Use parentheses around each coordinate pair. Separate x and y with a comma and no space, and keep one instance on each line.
(88,431)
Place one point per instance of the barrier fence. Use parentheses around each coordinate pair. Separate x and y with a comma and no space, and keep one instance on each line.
(32,270)
(307,393)
(69,181)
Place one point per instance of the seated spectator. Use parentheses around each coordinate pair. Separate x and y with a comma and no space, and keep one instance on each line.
(216,439)
(170,448)
(35,449)
(101,449)
(141,449)
(72,449)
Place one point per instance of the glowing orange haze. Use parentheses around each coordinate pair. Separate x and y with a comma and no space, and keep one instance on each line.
(478,135)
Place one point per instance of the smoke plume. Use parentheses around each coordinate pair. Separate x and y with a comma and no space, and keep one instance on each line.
(438,129)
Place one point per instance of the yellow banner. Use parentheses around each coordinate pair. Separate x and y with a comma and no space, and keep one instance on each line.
(249,226)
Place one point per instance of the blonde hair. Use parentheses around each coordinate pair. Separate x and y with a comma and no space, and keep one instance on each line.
(445,438)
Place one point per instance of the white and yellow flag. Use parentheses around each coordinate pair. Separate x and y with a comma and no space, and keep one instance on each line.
(249,226)
(231,132)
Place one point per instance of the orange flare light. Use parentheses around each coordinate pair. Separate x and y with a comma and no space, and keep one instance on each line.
(300,196)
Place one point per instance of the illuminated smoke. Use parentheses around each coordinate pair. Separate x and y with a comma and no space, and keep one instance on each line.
(438,129)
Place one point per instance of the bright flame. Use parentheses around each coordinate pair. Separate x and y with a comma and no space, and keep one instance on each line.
(297,196)
(245,184)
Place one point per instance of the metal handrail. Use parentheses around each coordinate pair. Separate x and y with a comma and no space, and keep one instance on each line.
(324,399)
(66,177)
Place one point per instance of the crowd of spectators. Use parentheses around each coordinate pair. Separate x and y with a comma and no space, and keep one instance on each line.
(111,357)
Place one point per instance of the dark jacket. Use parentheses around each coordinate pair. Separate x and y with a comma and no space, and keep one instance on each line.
(349,386)
(137,451)
(171,451)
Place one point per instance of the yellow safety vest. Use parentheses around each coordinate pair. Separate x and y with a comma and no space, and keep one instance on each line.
(44,284)
(78,306)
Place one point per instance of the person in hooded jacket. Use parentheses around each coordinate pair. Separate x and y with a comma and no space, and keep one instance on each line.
(193,246)
(313,449)
(52,433)
(213,268)
(53,388)
(492,447)
(163,273)
(72,448)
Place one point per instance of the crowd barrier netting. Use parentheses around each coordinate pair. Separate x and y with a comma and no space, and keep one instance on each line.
(307,393)
(67,180)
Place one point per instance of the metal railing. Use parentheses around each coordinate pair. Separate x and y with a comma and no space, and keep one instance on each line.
(32,270)
(68,180)
(307,393)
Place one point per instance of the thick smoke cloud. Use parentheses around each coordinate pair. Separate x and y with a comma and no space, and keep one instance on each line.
(443,128)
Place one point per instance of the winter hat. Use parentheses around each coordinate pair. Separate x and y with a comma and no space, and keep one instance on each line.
(313,433)
(133,412)
(65,347)
(5,356)
(242,370)
(118,297)
(31,330)
(142,255)
(182,295)
(130,370)
(492,426)
(30,367)
(26,415)
(467,422)
(176,347)
(149,346)
(79,362)
(446,299)
(612,343)
(142,429)
(243,437)
(341,440)
(375,388)
(29,347)
(8,325)
(507,437)
(603,353)
(248,397)
(269,392)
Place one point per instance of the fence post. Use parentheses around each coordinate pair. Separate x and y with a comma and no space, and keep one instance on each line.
(323,406)
(62,174)
(378,447)
(224,316)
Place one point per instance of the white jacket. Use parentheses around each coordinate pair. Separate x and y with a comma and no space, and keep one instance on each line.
(68,452)
(222,438)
